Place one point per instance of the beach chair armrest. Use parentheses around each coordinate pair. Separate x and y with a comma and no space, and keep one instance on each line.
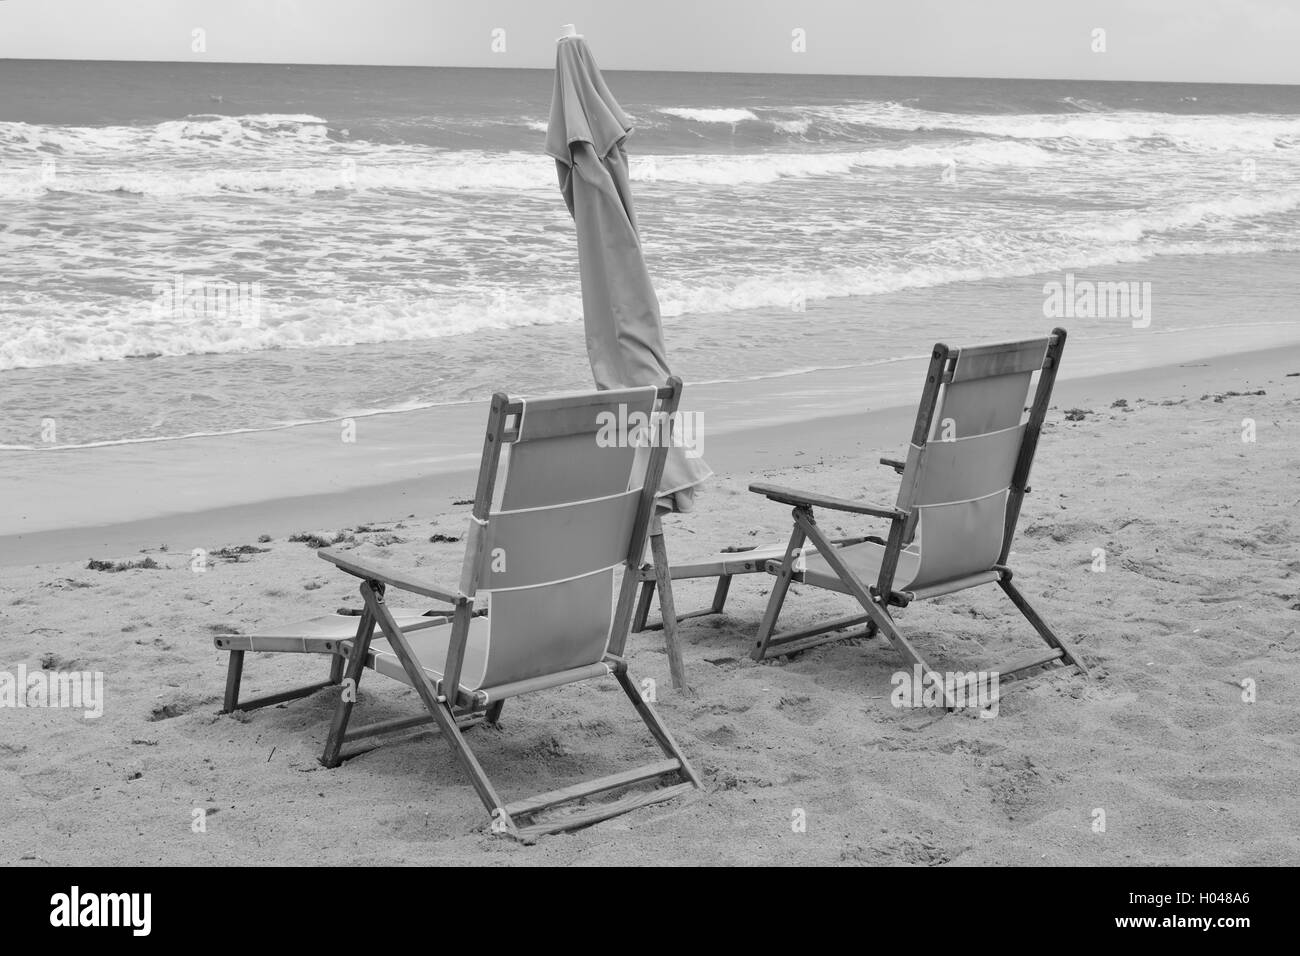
(805,499)
(386,574)
(894,463)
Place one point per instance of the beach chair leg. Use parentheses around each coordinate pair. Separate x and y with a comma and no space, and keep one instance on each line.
(643,607)
(443,714)
(504,816)
(350,679)
(720,594)
(441,711)
(1068,653)
(779,589)
(640,620)
(438,708)
(656,727)
(878,612)
(493,715)
(234,677)
(496,807)
(885,626)
(518,819)
(667,608)
(234,672)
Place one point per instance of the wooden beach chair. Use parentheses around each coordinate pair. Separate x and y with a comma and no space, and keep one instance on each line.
(535,608)
(951,528)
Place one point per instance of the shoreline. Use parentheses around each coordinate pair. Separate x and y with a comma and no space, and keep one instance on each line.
(152,401)
(734,449)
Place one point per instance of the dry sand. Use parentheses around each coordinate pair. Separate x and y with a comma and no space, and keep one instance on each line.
(1201,591)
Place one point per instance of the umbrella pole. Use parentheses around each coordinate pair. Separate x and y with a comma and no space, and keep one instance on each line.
(667,609)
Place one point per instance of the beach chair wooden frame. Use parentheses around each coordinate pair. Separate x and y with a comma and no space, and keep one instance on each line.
(452,700)
(657,577)
(967,470)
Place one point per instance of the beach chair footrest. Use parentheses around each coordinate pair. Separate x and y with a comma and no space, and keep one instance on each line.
(406,723)
(589,788)
(1026,664)
(418,725)
(801,640)
(282,696)
(799,646)
(603,811)
(690,615)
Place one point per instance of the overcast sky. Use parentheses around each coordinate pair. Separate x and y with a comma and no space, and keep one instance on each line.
(1238,41)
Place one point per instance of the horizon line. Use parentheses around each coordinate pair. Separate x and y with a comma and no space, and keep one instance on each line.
(547,69)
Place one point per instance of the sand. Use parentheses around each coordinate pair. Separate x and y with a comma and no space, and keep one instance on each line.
(1201,592)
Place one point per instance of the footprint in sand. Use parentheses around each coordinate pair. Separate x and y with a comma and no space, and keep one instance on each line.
(1014,785)
(176,707)
(801,709)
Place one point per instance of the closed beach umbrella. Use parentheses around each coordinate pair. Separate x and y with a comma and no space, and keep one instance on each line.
(625,339)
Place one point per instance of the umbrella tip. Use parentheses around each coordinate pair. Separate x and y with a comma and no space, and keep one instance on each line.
(567,32)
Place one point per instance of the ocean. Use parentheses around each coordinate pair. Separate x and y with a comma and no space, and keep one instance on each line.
(393,238)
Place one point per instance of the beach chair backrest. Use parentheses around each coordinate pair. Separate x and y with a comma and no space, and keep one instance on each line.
(576,477)
(970,455)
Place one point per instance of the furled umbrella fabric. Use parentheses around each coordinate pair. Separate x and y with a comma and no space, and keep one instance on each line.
(625,341)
